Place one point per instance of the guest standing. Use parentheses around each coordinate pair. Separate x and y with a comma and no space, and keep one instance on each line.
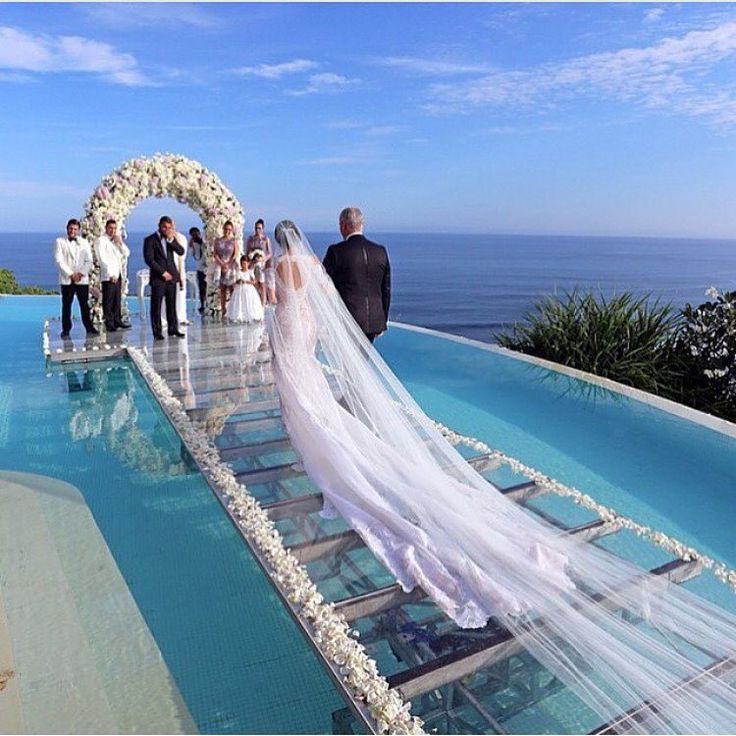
(159,250)
(225,256)
(260,241)
(196,248)
(181,290)
(361,273)
(73,256)
(112,253)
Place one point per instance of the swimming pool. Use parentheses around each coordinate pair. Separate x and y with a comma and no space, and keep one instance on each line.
(177,552)
(654,466)
(238,661)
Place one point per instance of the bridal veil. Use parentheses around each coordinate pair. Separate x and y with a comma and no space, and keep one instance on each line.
(615,635)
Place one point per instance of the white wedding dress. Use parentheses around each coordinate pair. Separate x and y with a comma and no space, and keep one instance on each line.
(435,522)
(245,304)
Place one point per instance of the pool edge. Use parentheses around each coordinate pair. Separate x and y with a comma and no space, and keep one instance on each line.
(722,426)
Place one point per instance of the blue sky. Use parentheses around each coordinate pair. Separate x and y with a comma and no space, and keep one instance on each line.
(608,119)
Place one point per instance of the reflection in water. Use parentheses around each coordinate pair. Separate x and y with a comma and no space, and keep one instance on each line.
(104,416)
(569,386)
(225,386)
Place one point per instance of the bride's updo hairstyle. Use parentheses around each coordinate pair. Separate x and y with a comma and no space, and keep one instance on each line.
(286,233)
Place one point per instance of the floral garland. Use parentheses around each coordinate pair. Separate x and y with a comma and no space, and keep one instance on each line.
(329,629)
(161,175)
(45,343)
(683,551)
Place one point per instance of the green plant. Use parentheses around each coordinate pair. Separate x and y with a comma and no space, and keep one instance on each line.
(706,348)
(624,338)
(9,285)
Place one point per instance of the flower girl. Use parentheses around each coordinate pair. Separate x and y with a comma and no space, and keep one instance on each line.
(245,303)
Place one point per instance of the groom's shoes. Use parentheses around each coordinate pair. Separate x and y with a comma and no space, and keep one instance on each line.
(158,336)
(177,334)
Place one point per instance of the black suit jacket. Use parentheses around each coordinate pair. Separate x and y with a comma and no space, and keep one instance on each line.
(361,273)
(160,260)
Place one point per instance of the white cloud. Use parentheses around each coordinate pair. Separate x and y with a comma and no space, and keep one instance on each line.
(144,14)
(344,125)
(669,74)
(432,67)
(325,82)
(16,77)
(21,51)
(29,188)
(653,15)
(331,161)
(378,131)
(276,71)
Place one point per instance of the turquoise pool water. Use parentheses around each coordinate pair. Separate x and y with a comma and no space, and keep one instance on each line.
(238,660)
(658,468)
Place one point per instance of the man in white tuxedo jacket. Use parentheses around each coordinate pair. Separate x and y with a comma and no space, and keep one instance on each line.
(111,255)
(73,256)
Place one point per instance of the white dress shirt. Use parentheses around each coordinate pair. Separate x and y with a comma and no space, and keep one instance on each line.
(111,256)
(73,257)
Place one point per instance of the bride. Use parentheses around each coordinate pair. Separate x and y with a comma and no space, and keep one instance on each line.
(618,637)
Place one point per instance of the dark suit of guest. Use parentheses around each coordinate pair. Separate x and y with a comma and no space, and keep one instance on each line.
(159,256)
(361,273)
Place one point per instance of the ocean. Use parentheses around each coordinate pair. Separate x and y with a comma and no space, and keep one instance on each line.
(477,285)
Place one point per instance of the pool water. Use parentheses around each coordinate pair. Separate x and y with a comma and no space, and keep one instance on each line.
(236,657)
(653,466)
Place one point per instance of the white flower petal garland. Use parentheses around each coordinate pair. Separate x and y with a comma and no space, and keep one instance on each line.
(609,515)
(45,343)
(161,175)
(330,630)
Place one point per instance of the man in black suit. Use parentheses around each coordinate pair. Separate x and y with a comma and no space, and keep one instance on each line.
(361,273)
(158,253)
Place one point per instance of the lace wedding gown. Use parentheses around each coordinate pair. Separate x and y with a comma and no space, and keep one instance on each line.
(433,521)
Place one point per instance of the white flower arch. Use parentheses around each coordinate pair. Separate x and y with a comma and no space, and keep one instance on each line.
(161,175)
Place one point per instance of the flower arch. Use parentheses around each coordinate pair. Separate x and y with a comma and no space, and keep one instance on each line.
(161,175)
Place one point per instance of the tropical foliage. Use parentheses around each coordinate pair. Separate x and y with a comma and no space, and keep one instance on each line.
(687,355)
(706,349)
(622,338)
(9,285)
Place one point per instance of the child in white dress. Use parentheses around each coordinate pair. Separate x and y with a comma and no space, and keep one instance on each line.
(245,303)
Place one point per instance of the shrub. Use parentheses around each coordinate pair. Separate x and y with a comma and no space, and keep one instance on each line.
(706,348)
(624,338)
(9,285)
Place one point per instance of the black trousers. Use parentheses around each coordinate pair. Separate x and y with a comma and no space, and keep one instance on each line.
(163,290)
(67,297)
(111,304)
(202,283)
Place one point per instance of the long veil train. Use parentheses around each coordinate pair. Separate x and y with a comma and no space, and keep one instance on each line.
(616,636)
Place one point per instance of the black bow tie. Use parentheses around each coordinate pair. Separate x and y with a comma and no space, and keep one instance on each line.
(72,240)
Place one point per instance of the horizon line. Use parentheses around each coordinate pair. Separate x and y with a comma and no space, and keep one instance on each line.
(456,233)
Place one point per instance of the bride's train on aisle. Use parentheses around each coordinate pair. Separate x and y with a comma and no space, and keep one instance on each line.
(616,636)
